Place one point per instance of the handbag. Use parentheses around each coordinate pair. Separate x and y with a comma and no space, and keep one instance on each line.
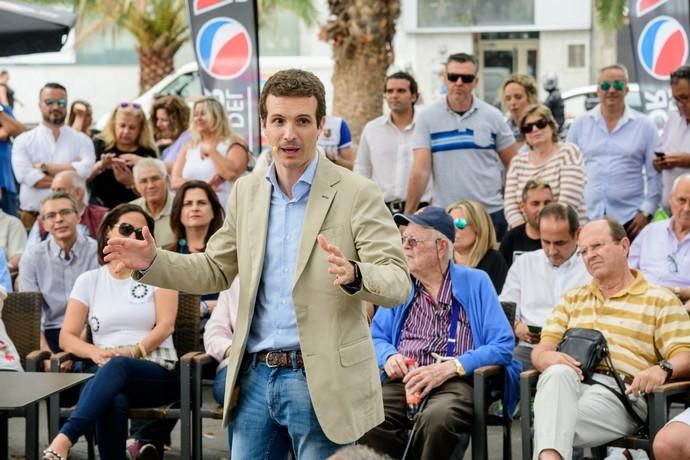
(589,348)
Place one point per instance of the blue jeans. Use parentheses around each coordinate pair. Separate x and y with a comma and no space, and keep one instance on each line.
(9,203)
(104,400)
(500,224)
(219,395)
(273,414)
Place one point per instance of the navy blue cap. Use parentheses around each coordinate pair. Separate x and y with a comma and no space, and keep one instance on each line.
(430,217)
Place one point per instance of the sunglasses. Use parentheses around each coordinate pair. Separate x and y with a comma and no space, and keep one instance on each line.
(127,229)
(606,85)
(134,105)
(528,127)
(62,103)
(466,78)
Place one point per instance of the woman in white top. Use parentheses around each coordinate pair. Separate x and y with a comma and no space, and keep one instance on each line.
(132,350)
(214,154)
(559,164)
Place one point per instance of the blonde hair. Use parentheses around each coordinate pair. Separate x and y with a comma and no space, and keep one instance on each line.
(479,219)
(145,138)
(527,83)
(218,120)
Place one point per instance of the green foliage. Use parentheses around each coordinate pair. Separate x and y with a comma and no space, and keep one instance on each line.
(610,13)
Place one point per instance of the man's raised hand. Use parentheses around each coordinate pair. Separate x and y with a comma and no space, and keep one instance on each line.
(130,253)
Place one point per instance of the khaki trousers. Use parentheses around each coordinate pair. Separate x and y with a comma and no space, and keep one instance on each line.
(568,413)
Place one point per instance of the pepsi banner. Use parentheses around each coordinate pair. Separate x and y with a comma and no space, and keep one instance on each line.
(660,45)
(225,38)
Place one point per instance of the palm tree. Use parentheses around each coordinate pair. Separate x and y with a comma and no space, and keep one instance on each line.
(610,13)
(361,33)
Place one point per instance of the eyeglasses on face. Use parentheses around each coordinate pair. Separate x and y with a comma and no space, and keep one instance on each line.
(134,105)
(594,248)
(606,85)
(62,103)
(50,216)
(412,241)
(466,78)
(528,127)
(127,229)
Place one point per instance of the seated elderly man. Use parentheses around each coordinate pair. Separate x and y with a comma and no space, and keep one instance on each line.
(648,334)
(90,215)
(151,181)
(662,249)
(537,280)
(452,313)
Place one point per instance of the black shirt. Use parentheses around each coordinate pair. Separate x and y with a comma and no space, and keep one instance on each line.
(105,189)
(494,265)
(516,242)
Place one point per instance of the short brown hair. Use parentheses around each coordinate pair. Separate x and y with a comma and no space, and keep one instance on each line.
(537,184)
(294,83)
(545,113)
(60,196)
(178,114)
(561,211)
(616,230)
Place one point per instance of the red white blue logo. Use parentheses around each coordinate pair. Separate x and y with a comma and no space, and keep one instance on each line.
(645,6)
(224,48)
(202,6)
(662,47)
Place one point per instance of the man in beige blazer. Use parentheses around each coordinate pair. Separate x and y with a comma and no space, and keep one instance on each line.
(302,372)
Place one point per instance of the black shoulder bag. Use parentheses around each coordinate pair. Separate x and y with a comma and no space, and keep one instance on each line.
(589,348)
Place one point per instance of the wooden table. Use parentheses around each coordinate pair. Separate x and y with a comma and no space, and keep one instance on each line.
(24,390)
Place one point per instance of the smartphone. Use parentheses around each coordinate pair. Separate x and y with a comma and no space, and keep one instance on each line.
(534,329)
(661,155)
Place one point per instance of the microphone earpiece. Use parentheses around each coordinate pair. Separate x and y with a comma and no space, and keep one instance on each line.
(460,223)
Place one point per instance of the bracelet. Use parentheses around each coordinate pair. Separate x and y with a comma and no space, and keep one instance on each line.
(134,350)
(142,350)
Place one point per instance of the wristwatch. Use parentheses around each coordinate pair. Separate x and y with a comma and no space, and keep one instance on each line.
(668,367)
(44,168)
(459,369)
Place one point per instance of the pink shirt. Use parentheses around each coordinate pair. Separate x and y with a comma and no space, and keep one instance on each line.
(219,328)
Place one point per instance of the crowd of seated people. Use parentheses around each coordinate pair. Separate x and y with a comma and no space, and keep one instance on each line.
(575,227)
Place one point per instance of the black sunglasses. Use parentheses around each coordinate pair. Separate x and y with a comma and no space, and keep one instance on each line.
(466,78)
(127,229)
(528,127)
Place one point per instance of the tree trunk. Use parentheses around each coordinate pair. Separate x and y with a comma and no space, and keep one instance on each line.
(358,86)
(153,66)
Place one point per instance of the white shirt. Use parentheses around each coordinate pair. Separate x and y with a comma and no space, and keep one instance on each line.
(536,286)
(385,156)
(676,138)
(39,145)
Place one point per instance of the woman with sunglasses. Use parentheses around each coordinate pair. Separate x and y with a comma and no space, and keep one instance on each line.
(214,154)
(558,164)
(135,362)
(475,241)
(196,215)
(517,92)
(170,120)
(81,117)
(125,139)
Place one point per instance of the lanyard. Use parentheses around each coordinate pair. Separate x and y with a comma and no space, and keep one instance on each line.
(453,328)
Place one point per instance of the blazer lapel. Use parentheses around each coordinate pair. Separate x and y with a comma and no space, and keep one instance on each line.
(259,202)
(320,198)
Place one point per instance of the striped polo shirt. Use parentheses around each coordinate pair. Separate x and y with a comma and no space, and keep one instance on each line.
(643,323)
(464,152)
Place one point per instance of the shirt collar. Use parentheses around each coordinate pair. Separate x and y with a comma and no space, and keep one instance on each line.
(307,177)
(628,114)
(47,130)
(56,251)
(472,108)
(638,287)
(388,119)
(446,297)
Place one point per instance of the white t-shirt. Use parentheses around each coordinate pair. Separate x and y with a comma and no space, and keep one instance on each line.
(121,312)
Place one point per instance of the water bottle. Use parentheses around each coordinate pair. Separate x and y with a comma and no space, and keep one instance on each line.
(413,400)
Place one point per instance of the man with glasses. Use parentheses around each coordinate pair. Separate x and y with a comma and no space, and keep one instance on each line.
(464,144)
(672,158)
(51,147)
(385,153)
(451,325)
(617,145)
(648,335)
(151,182)
(662,249)
(51,267)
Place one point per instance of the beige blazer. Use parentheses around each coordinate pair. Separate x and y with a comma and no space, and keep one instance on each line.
(334,335)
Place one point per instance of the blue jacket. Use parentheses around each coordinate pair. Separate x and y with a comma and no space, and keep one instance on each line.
(491,334)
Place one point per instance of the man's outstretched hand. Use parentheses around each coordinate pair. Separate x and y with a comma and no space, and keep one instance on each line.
(338,264)
(130,253)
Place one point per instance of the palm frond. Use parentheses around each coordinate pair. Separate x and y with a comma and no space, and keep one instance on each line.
(610,13)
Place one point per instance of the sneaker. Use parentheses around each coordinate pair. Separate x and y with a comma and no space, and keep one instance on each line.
(139,451)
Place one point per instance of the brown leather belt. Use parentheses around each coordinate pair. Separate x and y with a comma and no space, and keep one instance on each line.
(280,359)
(627,380)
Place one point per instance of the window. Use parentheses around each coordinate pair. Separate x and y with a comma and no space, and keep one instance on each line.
(576,56)
(468,13)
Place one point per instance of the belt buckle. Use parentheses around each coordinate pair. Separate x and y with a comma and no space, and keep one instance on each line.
(396,206)
(266,360)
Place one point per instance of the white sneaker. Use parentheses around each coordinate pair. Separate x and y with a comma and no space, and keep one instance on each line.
(618,453)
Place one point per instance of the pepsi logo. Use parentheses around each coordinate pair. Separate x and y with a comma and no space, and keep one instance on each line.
(224,48)
(645,6)
(202,6)
(662,47)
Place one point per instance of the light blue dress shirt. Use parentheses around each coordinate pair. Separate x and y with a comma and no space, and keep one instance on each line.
(658,254)
(615,162)
(274,326)
(5,280)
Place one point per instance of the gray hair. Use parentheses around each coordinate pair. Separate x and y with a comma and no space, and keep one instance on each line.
(436,235)
(60,196)
(678,180)
(77,180)
(620,67)
(147,162)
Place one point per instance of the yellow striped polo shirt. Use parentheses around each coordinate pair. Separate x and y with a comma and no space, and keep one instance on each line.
(643,323)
